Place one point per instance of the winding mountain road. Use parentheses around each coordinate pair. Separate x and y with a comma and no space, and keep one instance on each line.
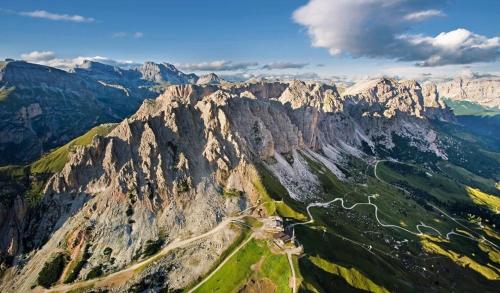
(370,203)
(478,237)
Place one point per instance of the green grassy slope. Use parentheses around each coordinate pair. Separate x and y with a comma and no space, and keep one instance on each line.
(360,252)
(30,180)
(253,262)
(55,160)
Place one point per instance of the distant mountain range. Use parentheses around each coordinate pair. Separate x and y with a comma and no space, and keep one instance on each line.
(43,107)
(484,91)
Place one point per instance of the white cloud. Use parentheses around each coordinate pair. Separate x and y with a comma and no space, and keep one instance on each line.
(49,58)
(284,65)
(243,76)
(135,35)
(424,14)
(220,65)
(459,46)
(224,65)
(379,29)
(56,17)
(38,56)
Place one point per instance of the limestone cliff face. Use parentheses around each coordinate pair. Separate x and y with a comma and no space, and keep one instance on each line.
(484,91)
(162,172)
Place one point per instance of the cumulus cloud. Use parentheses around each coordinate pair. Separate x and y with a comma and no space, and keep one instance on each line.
(380,29)
(455,47)
(38,56)
(138,35)
(50,58)
(56,17)
(220,65)
(284,65)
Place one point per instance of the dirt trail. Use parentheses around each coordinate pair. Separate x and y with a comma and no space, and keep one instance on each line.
(294,279)
(122,276)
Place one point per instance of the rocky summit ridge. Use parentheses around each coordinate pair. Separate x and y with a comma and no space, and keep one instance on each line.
(162,173)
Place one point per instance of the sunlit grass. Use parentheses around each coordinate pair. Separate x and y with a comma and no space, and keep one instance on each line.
(482,198)
(430,245)
(54,161)
(351,275)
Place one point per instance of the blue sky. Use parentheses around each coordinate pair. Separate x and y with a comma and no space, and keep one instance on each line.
(191,32)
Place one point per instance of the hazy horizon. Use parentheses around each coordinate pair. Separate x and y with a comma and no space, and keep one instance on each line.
(318,38)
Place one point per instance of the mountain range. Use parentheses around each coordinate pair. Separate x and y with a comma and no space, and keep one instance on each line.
(381,187)
(44,107)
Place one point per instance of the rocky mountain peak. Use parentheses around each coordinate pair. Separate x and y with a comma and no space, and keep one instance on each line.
(170,67)
(210,78)
(405,96)
(165,73)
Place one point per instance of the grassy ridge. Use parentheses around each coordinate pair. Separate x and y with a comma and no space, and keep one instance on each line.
(54,161)
(482,198)
(468,178)
(253,261)
(12,172)
(30,180)
(352,276)
(431,245)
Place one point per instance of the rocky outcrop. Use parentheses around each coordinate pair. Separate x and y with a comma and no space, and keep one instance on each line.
(389,97)
(484,91)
